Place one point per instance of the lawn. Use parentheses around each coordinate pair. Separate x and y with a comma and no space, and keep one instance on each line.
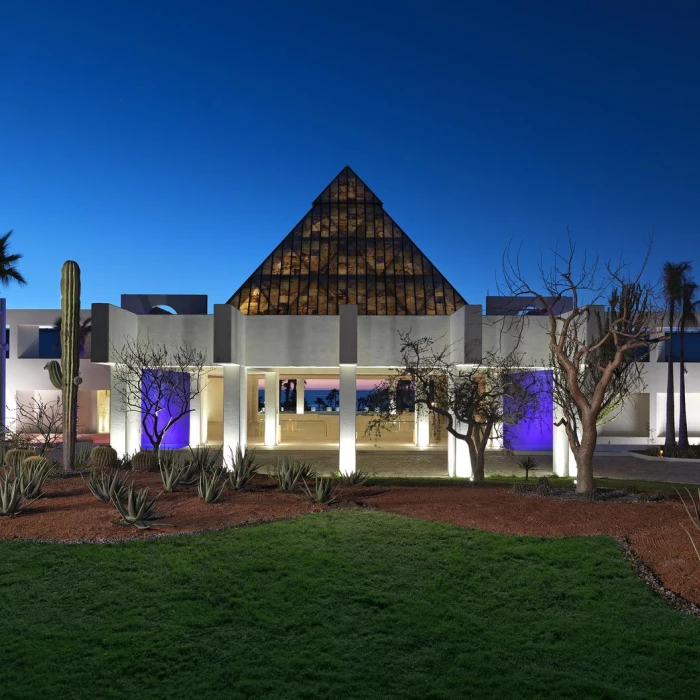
(354,604)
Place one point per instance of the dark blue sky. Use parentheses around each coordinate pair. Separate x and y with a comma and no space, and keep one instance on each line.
(169,146)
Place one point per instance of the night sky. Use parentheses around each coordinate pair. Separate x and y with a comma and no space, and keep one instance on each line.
(168,146)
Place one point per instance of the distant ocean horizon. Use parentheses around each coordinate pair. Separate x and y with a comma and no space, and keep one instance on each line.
(310,396)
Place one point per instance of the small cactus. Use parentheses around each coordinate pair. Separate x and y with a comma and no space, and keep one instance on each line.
(103,457)
(145,461)
(15,457)
(34,461)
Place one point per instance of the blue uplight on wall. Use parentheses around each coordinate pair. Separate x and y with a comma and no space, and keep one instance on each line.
(535,432)
(178,435)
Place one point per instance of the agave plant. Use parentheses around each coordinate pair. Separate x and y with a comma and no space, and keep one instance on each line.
(323,492)
(136,508)
(356,478)
(82,457)
(243,467)
(31,477)
(106,484)
(204,459)
(693,513)
(11,498)
(189,473)
(289,472)
(210,486)
(171,471)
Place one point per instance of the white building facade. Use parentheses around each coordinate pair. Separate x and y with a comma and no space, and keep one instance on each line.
(322,312)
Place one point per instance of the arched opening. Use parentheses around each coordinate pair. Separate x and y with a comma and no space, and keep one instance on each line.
(161,310)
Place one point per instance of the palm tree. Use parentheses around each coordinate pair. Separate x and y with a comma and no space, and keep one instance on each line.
(689,303)
(8,263)
(8,274)
(673,279)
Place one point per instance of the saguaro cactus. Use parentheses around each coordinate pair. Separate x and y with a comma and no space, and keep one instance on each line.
(70,357)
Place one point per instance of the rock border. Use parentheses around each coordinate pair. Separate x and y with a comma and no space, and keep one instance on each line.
(650,579)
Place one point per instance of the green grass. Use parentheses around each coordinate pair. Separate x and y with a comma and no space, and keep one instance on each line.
(347,604)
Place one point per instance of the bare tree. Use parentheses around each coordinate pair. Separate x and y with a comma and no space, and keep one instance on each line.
(40,423)
(596,345)
(476,401)
(158,382)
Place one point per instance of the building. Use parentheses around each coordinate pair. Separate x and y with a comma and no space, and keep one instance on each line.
(320,314)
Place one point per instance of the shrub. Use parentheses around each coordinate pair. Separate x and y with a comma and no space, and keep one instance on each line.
(103,457)
(31,477)
(543,487)
(136,508)
(144,461)
(243,468)
(356,478)
(124,462)
(11,498)
(289,472)
(211,486)
(323,492)
(15,457)
(519,488)
(105,484)
(529,464)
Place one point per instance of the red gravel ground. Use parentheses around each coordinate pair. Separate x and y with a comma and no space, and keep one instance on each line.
(69,512)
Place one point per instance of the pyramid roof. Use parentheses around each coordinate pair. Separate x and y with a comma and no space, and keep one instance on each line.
(347,250)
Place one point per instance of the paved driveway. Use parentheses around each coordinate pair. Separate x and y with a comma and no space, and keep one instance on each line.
(433,463)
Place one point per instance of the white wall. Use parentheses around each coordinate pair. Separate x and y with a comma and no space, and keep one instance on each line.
(291,341)
(378,343)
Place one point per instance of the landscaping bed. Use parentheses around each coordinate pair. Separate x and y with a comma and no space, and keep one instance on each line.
(68,512)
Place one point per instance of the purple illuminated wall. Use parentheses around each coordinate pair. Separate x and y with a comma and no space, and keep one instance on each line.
(536,430)
(178,435)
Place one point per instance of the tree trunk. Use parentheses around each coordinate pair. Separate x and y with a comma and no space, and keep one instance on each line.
(682,419)
(670,399)
(478,464)
(584,458)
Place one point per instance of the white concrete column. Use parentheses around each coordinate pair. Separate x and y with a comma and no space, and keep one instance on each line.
(196,412)
(463,460)
(205,405)
(560,445)
(348,410)
(300,394)
(422,418)
(133,431)
(124,425)
(451,455)
(243,406)
(272,407)
(653,423)
(235,410)
(117,419)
